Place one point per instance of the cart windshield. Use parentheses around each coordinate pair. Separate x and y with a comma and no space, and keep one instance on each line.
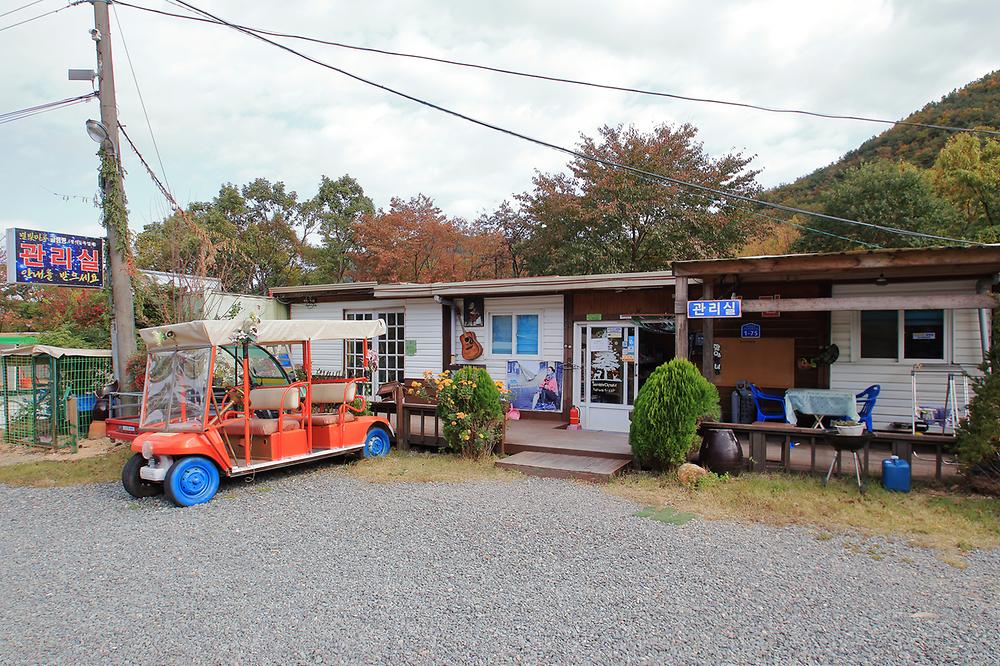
(176,389)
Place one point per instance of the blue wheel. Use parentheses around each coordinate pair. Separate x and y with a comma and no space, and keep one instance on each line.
(376,443)
(191,480)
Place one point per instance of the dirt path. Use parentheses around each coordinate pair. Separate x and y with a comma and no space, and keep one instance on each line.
(86,448)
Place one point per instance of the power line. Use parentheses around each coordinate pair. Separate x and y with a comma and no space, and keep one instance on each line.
(608,163)
(558,79)
(35,18)
(17,9)
(142,102)
(11,116)
(821,232)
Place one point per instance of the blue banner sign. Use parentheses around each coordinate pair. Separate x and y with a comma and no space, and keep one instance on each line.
(729,308)
(750,331)
(50,258)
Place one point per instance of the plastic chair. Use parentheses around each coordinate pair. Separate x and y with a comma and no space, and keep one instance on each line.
(866,403)
(759,398)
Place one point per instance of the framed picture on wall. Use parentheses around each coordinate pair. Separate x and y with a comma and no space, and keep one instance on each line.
(472,311)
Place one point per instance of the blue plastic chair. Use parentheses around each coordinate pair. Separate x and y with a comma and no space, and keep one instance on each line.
(759,398)
(866,403)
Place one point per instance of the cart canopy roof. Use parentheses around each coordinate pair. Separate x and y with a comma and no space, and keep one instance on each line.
(269,332)
(54,352)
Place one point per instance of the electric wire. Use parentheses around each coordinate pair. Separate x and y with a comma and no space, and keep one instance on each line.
(576,82)
(142,101)
(814,230)
(722,194)
(17,9)
(11,116)
(35,18)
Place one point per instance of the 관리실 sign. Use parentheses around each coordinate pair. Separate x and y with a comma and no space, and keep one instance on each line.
(50,258)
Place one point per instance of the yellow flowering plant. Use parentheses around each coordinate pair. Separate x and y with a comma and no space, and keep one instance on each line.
(470,406)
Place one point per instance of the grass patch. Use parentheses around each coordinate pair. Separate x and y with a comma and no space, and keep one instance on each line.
(414,467)
(50,473)
(957,523)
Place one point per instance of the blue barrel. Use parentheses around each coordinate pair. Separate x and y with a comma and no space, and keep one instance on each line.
(896,474)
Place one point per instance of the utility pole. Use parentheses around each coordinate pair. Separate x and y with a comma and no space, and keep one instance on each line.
(123,329)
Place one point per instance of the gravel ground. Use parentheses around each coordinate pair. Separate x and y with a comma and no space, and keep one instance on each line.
(315,567)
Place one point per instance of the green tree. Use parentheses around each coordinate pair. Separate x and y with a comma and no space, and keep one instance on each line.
(604,219)
(668,408)
(886,193)
(338,207)
(967,174)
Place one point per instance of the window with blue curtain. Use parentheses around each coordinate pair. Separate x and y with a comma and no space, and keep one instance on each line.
(502,335)
(527,335)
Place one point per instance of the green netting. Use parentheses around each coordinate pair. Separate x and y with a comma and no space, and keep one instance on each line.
(49,401)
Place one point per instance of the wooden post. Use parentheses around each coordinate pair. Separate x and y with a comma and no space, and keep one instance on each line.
(402,438)
(707,331)
(758,451)
(680,318)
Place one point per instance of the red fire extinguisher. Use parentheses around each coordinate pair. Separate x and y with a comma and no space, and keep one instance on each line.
(574,418)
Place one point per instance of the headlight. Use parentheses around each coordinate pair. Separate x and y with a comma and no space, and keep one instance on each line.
(147,450)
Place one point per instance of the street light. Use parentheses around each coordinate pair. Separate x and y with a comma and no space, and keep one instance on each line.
(97,131)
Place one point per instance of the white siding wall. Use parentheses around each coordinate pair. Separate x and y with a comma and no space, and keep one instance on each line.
(549,308)
(421,322)
(895,402)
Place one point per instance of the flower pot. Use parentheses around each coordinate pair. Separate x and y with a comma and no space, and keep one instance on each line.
(721,451)
(851,431)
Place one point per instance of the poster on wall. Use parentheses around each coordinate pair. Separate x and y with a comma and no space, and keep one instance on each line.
(536,385)
(50,258)
(472,311)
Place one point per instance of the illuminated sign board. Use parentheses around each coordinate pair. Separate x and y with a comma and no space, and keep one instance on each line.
(50,258)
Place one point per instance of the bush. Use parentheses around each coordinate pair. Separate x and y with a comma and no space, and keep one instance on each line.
(978,436)
(470,407)
(668,408)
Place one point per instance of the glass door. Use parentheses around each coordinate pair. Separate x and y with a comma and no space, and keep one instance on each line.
(609,377)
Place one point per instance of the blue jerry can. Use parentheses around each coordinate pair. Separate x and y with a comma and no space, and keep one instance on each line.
(896,474)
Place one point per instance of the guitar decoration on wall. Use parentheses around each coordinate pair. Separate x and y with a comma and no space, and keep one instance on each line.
(471,347)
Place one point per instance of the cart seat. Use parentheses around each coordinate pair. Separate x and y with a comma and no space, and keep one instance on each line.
(328,419)
(333,393)
(258,427)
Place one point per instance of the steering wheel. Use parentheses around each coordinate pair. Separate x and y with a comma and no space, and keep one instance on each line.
(233,396)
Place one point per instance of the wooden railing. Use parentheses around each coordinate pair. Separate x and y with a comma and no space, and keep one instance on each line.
(415,423)
(756,437)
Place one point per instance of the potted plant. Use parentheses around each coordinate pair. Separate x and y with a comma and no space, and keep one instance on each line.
(849,428)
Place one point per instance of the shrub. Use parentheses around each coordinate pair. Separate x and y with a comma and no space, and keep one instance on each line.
(668,408)
(470,407)
(978,436)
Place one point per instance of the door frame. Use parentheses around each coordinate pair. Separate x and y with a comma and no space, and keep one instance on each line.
(583,364)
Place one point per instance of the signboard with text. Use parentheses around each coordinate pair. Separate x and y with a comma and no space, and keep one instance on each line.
(727,308)
(50,258)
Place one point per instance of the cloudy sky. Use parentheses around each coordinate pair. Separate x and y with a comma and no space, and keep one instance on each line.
(225,107)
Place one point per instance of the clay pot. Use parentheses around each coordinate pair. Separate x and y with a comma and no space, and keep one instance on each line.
(721,451)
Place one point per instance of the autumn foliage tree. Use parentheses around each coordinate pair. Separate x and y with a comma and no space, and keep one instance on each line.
(600,219)
(414,241)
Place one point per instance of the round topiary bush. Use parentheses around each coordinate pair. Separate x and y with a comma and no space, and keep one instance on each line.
(668,408)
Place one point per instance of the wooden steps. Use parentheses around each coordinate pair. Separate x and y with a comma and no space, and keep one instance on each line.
(573,446)
(565,466)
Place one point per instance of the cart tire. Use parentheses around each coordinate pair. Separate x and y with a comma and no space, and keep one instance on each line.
(191,480)
(376,443)
(134,484)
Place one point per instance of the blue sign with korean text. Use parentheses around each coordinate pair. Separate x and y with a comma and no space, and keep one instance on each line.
(728,308)
(50,258)
(750,331)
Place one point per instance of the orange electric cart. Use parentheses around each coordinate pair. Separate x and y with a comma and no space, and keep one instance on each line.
(216,402)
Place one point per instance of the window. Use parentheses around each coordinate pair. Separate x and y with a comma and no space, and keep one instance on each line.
(923,334)
(390,348)
(880,334)
(514,335)
(902,334)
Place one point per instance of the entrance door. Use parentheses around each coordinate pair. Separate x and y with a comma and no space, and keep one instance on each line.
(609,377)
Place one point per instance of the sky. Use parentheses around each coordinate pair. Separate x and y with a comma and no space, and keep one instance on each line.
(227,108)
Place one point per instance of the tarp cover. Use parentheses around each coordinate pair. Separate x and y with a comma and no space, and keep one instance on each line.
(55,352)
(269,332)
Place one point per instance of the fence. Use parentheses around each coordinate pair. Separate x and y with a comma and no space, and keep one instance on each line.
(48,394)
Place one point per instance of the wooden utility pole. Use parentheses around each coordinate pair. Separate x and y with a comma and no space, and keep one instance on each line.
(123,329)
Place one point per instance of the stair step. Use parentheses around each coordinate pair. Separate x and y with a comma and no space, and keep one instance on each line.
(563,466)
(588,449)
